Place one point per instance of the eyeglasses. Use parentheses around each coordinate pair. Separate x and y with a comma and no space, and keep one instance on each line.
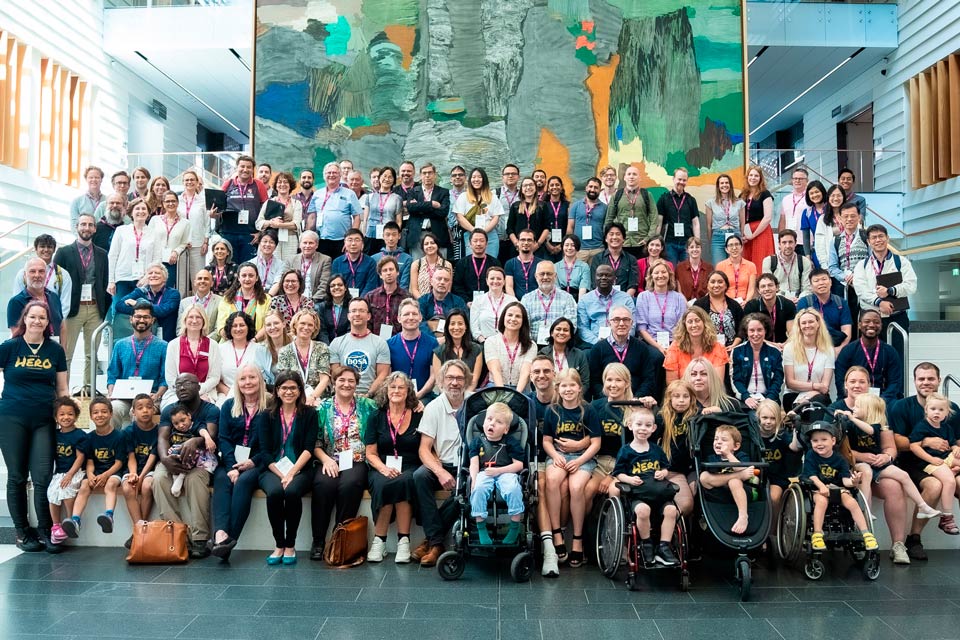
(288,389)
(454,378)
(510,173)
(458,175)
(618,320)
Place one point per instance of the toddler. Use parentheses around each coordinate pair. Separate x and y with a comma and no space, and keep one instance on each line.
(942,465)
(641,462)
(183,430)
(495,461)
(726,448)
(777,453)
(68,471)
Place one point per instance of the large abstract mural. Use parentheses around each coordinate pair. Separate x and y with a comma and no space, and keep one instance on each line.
(567,85)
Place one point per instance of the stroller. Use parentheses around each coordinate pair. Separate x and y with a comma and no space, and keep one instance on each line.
(718,510)
(466,543)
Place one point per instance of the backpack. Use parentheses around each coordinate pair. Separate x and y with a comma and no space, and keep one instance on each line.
(774,263)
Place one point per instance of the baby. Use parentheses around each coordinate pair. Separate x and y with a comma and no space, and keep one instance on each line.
(184,430)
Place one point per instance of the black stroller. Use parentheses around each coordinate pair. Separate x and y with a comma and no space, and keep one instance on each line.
(466,543)
(718,510)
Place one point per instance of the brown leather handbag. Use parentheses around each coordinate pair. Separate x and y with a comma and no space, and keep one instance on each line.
(159,542)
(348,546)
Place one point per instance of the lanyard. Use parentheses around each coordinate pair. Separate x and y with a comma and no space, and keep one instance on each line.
(796,200)
(772,312)
(525,266)
(736,279)
(383,198)
(202,303)
(437,307)
(483,265)
(560,361)
(848,245)
(679,205)
(305,267)
(238,358)
(386,318)
(588,209)
(695,276)
(506,196)
(188,204)
(879,264)
(247,419)
(663,308)
(218,275)
(621,354)
(430,269)
(242,304)
(85,263)
(633,201)
(353,270)
(304,362)
(194,357)
(395,427)
(412,355)
(871,364)
(326,196)
(155,298)
(95,203)
(170,227)
(53,268)
(137,357)
(267,266)
(496,307)
(546,307)
(556,215)
(345,418)
(615,265)
(336,311)
(527,211)
(286,428)
(138,237)
(512,356)
(810,366)
(757,373)
(568,270)
(609,304)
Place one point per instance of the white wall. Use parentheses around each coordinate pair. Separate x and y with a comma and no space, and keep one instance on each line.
(70,32)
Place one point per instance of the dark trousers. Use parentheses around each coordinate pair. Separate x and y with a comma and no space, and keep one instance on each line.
(343,492)
(903,320)
(331,248)
(231,502)
(436,521)
(28,444)
(284,506)
(243,251)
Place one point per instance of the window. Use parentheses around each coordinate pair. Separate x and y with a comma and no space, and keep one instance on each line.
(935,123)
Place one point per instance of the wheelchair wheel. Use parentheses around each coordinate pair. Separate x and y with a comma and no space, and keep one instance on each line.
(451,565)
(744,576)
(813,568)
(871,565)
(792,526)
(611,526)
(521,568)
(685,581)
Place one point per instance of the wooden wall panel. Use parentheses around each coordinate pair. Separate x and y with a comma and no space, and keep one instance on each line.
(915,145)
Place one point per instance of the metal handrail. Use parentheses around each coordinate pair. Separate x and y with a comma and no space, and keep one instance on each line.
(946,386)
(91,347)
(20,225)
(19,254)
(893,326)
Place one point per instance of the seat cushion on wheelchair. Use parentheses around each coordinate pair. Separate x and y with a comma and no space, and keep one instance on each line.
(722,516)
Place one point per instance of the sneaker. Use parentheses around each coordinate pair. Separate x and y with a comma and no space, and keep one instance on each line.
(48,544)
(403,551)
(870,541)
(57,534)
(422,549)
(915,548)
(898,553)
(316,551)
(926,512)
(817,543)
(551,565)
(665,555)
(948,525)
(28,540)
(378,549)
(71,527)
(647,552)
(106,522)
(199,550)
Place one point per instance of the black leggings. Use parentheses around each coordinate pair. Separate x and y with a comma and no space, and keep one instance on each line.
(284,506)
(343,492)
(231,502)
(28,444)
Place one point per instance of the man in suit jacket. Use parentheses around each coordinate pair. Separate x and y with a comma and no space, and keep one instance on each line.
(312,265)
(88,267)
(428,211)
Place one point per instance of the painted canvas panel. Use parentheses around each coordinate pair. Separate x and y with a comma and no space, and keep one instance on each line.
(566,85)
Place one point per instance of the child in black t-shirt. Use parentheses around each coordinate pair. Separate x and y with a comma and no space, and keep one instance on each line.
(825,468)
(68,470)
(677,410)
(777,453)
(105,453)
(641,462)
(942,465)
(495,460)
(141,437)
(184,429)
(726,448)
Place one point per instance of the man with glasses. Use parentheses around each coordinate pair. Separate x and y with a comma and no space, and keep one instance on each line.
(547,303)
(141,357)
(440,453)
(508,194)
(458,182)
(120,181)
(794,202)
(428,208)
(110,221)
(643,361)
(89,201)
(56,279)
(362,349)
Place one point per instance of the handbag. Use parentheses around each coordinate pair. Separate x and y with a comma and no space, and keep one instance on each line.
(653,491)
(159,542)
(348,546)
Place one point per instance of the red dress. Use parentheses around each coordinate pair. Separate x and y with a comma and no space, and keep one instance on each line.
(762,245)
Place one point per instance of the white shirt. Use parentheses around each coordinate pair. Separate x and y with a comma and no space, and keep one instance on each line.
(123,251)
(483,318)
(197,217)
(174,238)
(791,207)
(439,421)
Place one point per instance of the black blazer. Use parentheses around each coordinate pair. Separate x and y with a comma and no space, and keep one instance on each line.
(328,329)
(304,435)
(68,258)
(230,434)
(422,209)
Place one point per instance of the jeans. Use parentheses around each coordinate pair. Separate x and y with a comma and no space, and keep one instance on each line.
(717,242)
(28,444)
(435,521)
(243,251)
(231,502)
(508,486)
(284,506)
(675,251)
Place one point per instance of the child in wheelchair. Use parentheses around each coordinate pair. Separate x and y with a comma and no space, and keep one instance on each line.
(830,474)
(727,441)
(942,465)
(496,461)
(642,466)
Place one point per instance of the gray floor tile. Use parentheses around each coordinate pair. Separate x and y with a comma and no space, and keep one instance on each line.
(342,629)
(321,609)
(707,629)
(152,590)
(17,621)
(215,575)
(209,627)
(822,593)
(674,611)
(194,606)
(760,610)
(600,628)
(600,596)
(730,594)
(905,608)
(581,612)
(936,627)
(155,625)
(523,630)
(46,588)
(310,594)
(438,594)
(461,611)
(814,627)
(107,572)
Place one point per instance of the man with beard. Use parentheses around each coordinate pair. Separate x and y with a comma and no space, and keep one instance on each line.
(57,280)
(880,359)
(633,207)
(141,356)
(305,192)
(589,216)
(110,221)
(35,274)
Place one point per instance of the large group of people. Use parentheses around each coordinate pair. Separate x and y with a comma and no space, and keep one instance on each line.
(321,339)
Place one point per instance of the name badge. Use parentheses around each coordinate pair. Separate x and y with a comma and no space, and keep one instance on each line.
(345,460)
(242,453)
(395,462)
(604,333)
(586,232)
(283,235)
(477,295)
(441,325)
(678,229)
(426,224)
(616,287)
(633,224)
(875,391)
(86,293)
(482,221)
(722,339)
(284,465)
(354,292)
(137,270)
(243,217)
(543,334)
(663,339)
(379,232)
(556,236)
(386,330)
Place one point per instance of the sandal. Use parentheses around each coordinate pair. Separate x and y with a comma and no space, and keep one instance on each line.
(870,541)
(817,543)
(561,548)
(948,525)
(576,557)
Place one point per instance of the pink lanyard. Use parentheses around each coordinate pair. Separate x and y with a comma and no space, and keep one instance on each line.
(546,307)
(412,355)
(202,303)
(525,266)
(736,279)
(138,237)
(678,206)
(242,304)
(559,361)
(353,270)
(194,357)
(773,313)
(588,210)
(305,268)
(238,358)
(304,362)
(326,197)
(512,356)
(871,364)
(556,215)
(810,366)
(188,204)
(247,419)
(386,318)
(345,418)
(286,428)
(878,264)
(483,265)
(496,307)
(267,266)
(395,428)
(170,227)
(52,269)
(663,309)
(510,201)
(568,270)
(621,355)
(85,263)
(615,265)
(137,357)
(336,311)
(695,276)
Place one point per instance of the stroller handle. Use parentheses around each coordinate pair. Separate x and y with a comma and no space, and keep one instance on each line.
(728,465)
(628,403)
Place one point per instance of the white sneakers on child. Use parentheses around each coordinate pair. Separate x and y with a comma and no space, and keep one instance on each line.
(927,512)
(403,551)
(551,564)
(378,549)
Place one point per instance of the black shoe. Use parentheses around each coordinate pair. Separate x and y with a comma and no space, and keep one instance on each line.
(199,550)
(665,555)
(29,541)
(647,553)
(316,552)
(915,548)
(128,543)
(48,545)
(223,549)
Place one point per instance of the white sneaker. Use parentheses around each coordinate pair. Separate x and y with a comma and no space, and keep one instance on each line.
(898,553)
(551,566)
(403,550)
(926,512)
(377,550)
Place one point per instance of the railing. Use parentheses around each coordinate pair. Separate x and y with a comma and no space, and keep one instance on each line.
(778,164)
(892,328)
(947,381)
(148,4)
(105,326)
(214,166)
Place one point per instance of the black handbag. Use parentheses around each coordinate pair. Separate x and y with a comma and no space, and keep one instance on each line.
(651,491)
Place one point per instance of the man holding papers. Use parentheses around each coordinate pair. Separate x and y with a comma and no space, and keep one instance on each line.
(136,361)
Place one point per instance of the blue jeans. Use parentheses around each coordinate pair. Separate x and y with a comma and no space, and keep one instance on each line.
(675,250)
(493,243)
(508,486)
(243,251)
(717,242)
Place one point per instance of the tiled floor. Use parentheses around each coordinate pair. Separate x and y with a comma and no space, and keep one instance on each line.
(92,593)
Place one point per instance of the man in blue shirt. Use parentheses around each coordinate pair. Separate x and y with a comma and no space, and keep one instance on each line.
(411,351)
(35,274)
(332,212)
(835,311)
(588,217)
(439,301)
(521,272)
(880,359)
(142,356)
(594,307)
(391,242)
(359,270)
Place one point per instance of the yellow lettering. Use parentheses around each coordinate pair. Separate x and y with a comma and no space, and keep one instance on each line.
(826,471)
(612,428)
(64,450)
(771,455)
(33,362)
(647,466)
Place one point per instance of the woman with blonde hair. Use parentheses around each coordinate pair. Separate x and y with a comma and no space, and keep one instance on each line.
(478,207)
(193,209)
(306,355)
(808,360)
(617,387)
(694,337)
(660,307)
(275,336)
(193,352)
(708,389)
(154,196)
